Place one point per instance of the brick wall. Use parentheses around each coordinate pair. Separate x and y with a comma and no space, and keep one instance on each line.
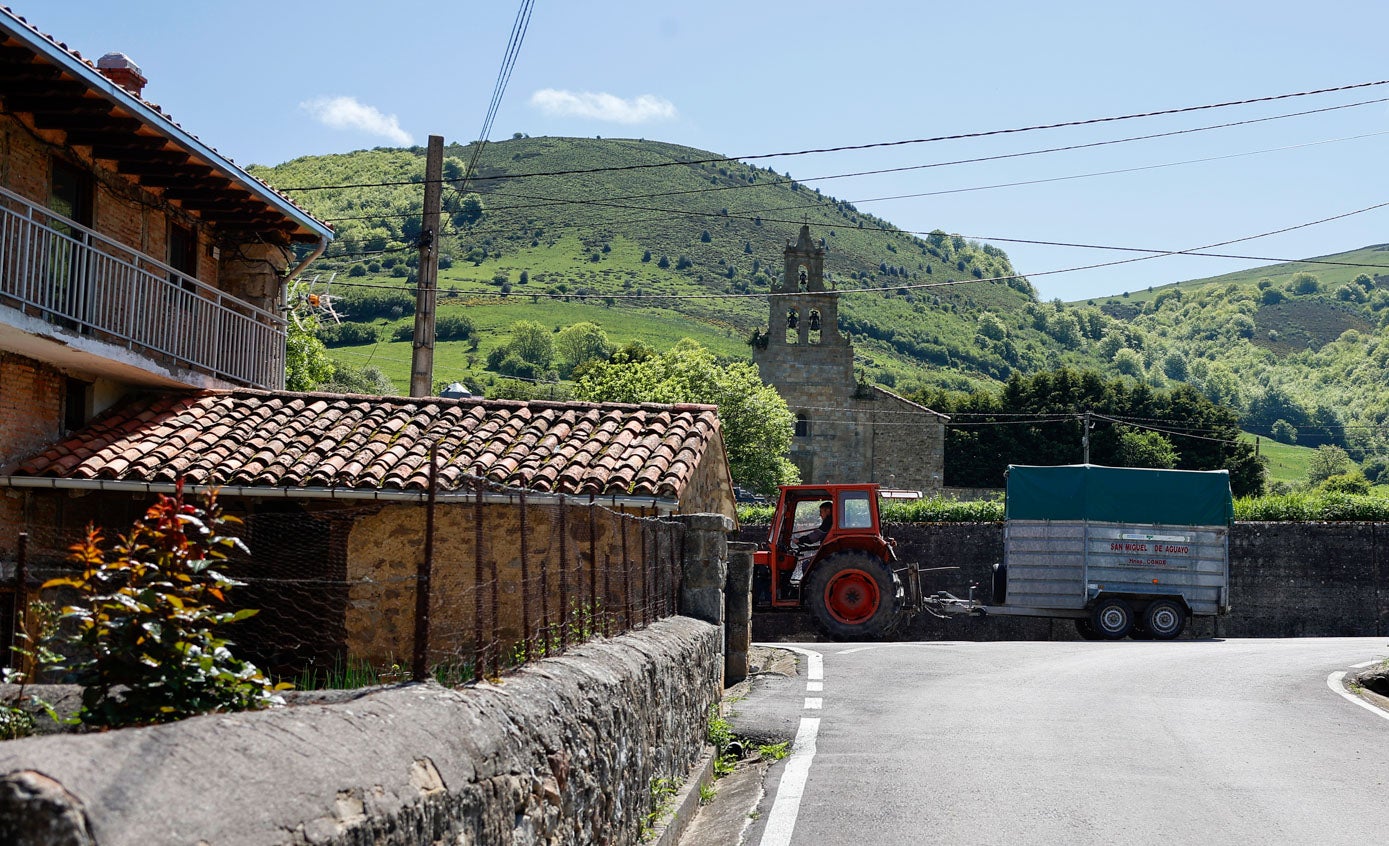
(136,217)
(31,406)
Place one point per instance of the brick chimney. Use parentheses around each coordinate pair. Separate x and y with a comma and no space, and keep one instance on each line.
(118,68)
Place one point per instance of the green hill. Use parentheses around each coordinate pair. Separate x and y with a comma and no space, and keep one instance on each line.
(675,250)
(544,245)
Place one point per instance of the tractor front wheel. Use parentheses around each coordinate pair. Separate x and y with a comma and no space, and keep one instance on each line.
(854,596)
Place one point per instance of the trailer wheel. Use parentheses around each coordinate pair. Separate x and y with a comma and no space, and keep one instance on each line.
(1112,618)
(1000,584)
(1165,619)
(1085,630)
(854,596)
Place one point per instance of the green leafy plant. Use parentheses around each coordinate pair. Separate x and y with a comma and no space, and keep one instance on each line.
(707,793)
(16,720)
(662,794)
(146,645)
(774,751)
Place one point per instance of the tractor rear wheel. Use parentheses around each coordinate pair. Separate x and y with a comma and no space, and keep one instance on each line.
(854,596)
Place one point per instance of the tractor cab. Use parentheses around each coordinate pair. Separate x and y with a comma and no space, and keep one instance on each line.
(817,529)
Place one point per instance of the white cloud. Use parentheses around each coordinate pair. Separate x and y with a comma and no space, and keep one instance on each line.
(348,113)
(602,106)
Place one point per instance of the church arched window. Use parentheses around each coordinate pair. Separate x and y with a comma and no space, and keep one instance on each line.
(793,324)
(802,425)
(813,324)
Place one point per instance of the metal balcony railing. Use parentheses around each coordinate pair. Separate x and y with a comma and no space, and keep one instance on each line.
(57,270)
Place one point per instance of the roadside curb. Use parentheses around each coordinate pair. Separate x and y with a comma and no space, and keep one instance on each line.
(686,802)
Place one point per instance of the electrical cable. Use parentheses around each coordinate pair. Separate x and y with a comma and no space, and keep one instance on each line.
(881,144)
(783,181)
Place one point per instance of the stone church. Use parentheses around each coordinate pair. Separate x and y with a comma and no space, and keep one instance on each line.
(846,430)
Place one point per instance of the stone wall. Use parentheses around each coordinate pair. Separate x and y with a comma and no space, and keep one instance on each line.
(562,752)
(1286,580)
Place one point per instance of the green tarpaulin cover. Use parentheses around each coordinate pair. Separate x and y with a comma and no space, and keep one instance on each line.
(1120,495)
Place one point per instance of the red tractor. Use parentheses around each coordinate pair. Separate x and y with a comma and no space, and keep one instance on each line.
(826,552)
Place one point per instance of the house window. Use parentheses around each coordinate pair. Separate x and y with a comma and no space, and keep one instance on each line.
(183,254)
(77,404)
(802,425)
(70,195)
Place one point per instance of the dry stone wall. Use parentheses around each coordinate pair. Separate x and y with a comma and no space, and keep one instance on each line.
(562,752)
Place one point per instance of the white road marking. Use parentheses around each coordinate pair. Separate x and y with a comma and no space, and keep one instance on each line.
(856,649)
(1334,681)
(781,821)
(814,661)
(1363,664)
(814,703)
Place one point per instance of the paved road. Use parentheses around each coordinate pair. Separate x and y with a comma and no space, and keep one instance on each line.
(1229,742)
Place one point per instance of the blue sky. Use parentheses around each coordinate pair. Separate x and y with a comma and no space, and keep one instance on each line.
(266,82)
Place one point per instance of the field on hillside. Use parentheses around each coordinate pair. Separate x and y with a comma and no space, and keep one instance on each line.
(1287,463)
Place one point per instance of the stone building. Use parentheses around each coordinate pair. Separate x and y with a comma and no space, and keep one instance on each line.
(846,430)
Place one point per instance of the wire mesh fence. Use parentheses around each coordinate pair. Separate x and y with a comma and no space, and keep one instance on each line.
(460,588)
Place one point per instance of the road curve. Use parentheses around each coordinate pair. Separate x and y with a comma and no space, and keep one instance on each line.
(1233,742)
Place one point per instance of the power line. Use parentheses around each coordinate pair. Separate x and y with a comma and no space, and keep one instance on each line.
(1152,254)
(770,183)
(879,144)
(513,51)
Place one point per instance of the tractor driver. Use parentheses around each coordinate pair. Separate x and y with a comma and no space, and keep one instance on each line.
(809,541)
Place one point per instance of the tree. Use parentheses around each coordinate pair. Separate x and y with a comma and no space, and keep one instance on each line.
(470,211)
(757,425)
(1283,432)
(1329,461)
(1305,283)
(307,364)
(533,343)
(1138,448)
(580,344)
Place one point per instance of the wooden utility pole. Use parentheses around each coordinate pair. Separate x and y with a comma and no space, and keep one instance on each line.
(426,294)
(1085,437)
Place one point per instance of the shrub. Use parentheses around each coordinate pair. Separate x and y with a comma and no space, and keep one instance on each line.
(148,617)
(348,334)
(453,327)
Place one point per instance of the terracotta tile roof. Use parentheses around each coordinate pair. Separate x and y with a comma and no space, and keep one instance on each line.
(281,439)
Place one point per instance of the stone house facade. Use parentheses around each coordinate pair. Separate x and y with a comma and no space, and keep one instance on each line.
(846,430)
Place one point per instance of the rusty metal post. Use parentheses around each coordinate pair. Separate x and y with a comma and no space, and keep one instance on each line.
(626,578)
(525,583)
(545,633)
(564,612)
(646,571)
(479,645)
(592,565)
(424,575)
(21,599)
(496,647)
(607,593)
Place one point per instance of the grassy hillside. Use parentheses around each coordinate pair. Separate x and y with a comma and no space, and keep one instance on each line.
(659,253)
(720,228)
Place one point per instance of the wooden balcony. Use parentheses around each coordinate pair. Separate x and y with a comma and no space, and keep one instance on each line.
(67,275)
